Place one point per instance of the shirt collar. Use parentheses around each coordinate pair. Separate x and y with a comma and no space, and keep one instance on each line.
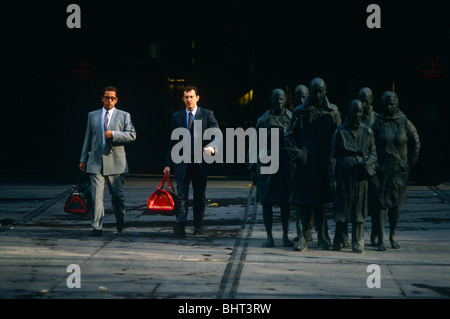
(111,111)
(193,111)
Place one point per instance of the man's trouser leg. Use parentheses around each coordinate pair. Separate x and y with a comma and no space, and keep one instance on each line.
(198,187)
(115,185)
(97,189)
(183,195)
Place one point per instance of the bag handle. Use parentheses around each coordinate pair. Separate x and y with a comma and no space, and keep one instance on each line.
(81,175)
(169,182)
(161,185)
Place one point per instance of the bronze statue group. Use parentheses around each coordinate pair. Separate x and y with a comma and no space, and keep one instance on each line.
(361,166)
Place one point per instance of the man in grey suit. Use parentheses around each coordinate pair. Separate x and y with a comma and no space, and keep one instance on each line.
(103,157)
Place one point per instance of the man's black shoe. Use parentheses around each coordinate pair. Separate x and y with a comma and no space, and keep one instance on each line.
(119,227)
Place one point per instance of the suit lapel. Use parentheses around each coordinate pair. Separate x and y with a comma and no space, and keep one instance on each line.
(182,119)
(97,120)
(198,115)
(113,120)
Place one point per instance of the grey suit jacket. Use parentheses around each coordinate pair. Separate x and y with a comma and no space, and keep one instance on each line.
(111,157)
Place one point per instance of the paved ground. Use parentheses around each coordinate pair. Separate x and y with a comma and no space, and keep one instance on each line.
(38,241)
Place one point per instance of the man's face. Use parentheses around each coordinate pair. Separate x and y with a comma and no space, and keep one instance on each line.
(109,99)
(190,99)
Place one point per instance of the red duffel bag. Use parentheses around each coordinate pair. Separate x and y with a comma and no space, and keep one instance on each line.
(162,201)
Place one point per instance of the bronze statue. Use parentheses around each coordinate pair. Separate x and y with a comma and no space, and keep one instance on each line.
(369,115)
(352,162)
(398,146)
(365,95)
(301,92)
(308,143)
(274,188)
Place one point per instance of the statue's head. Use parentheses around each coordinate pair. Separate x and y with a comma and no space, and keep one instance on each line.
(365,95)
(317,91)
(278,99)
(301,92)
(355,112)
(389,102)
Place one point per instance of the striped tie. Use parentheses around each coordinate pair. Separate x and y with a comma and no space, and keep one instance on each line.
(105,123)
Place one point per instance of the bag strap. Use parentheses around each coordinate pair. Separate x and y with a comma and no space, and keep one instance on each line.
(83,177)
(80,176)
(170,183)
(161,185)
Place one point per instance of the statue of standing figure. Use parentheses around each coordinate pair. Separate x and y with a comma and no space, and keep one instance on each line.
(352,162)
(301,92)
(365,95)
(274,188)
(308,143)
(398,145)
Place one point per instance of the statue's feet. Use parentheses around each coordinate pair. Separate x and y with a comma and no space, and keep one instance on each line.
(394,243)
(358,248)
(381,246)
(323,245)
(301,246)
(337,246)
(374,241)
(287,242)
(268,243)
(309,236)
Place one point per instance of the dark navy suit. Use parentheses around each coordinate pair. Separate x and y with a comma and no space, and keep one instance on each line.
(185,172)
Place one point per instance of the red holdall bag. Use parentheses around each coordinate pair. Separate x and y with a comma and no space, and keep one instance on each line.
(163,202)
(79,201)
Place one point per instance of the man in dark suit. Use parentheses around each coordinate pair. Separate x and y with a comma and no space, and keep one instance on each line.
(192,166)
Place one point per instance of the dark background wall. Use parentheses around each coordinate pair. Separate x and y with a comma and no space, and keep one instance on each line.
(52,76)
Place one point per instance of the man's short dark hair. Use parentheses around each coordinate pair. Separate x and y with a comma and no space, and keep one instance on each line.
(190,88)
(110,88)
